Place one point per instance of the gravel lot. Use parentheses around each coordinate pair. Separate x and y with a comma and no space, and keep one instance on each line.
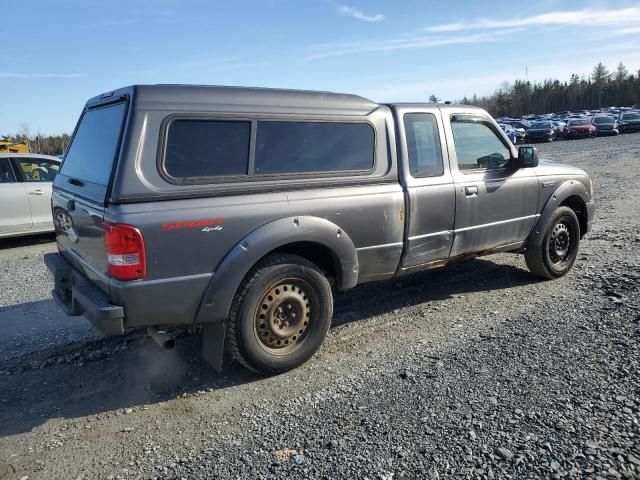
(478,370)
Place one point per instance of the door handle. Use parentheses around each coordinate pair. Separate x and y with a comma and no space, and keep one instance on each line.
(471,191)
(36,192)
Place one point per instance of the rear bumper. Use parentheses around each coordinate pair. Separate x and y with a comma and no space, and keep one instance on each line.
(77,296)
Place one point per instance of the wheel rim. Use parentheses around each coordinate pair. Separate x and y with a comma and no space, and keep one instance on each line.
(559,243)
(284,316)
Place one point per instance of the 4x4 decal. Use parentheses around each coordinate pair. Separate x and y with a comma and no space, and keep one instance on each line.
(206,224)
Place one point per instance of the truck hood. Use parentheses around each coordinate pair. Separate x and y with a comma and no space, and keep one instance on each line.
(549,167)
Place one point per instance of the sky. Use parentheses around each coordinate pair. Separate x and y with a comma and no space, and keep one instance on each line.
(54,55)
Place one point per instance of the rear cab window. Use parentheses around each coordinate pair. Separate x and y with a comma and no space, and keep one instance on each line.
(423,145)
(89,161)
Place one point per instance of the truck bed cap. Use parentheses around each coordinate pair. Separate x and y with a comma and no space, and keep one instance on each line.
(229,98)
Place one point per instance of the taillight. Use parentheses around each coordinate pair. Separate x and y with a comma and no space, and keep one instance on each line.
(124,246)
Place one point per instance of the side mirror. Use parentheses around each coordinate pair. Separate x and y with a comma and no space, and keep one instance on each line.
(527,157)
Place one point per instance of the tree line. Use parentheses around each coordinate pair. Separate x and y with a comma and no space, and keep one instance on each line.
(601,89)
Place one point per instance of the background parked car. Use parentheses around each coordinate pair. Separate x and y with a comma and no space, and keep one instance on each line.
(510,132)
(629,122)
(579,128)
(520,127)
(520,124)
(559,126)
(25,193)
(606,125)
(541,131)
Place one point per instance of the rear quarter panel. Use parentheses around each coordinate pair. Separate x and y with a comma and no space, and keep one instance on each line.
(182,259)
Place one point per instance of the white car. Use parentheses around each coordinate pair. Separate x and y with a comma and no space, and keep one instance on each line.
(25,193)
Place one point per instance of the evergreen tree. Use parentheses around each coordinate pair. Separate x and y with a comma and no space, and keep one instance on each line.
(600,74)
(621,73)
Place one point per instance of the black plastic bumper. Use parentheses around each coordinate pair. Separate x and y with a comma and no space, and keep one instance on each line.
(591,213)
(77,296)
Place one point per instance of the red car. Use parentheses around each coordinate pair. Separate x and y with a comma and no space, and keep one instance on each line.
(579,128)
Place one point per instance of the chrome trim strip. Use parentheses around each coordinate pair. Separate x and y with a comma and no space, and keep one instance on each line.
(419,237)
(501,222)
(372,247)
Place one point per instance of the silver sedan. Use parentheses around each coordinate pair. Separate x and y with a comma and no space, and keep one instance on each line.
(25,193)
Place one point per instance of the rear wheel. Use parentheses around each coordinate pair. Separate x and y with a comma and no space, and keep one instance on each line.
(280,315)
(559,249)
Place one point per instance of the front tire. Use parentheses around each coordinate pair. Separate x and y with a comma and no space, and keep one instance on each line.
(559,249)
(280,314)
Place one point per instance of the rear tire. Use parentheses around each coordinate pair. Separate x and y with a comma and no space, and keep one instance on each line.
(559,249)
(280,314)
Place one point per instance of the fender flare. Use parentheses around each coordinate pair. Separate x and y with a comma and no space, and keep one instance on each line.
(568,188)
(216,302)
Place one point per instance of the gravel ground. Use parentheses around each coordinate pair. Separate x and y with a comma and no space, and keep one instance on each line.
(478,370)
(30,321)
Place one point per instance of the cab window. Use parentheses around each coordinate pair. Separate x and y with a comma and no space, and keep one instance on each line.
(423,145)
(477,146)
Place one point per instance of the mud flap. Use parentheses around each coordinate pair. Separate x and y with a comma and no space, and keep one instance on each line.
(213,343)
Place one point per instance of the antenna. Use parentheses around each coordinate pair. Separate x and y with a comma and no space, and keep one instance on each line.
(526,73)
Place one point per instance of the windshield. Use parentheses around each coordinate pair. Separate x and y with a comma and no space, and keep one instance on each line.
(92,151)
(577,123)
(541,125)
(631,116)
(602,120)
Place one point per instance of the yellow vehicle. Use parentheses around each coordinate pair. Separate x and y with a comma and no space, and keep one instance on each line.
(7,146)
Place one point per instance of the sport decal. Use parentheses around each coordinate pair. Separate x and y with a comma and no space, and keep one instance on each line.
(205,224)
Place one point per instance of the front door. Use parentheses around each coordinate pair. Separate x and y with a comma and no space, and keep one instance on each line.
(495,203)
(15,214)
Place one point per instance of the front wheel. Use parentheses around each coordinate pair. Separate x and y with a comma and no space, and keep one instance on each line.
(559,249)
(280,315)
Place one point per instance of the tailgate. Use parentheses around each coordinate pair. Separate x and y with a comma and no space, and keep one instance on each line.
(80,236)
(81,188)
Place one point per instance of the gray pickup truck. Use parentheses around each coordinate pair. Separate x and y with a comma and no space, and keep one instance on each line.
(243,209)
